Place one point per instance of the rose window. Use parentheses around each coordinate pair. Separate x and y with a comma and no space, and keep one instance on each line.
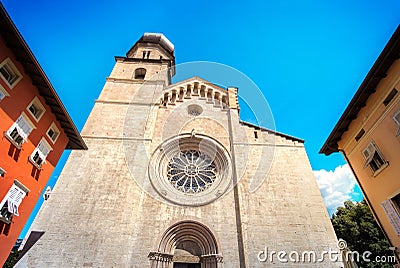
(191,171)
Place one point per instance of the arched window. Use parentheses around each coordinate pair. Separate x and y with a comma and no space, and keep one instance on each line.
(140,73)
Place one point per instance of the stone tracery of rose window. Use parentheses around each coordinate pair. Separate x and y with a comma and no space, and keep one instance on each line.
(191,171)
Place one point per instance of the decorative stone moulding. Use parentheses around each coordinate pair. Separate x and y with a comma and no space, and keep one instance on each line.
(195,89)
(190,170)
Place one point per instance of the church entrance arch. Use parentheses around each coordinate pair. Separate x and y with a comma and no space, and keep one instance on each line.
(187,244)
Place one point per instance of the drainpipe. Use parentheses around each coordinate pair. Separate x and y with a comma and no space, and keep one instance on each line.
(369,203)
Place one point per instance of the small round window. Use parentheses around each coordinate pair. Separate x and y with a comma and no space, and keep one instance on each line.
(194,110)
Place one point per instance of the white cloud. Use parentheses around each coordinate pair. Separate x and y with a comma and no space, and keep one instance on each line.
(336,186)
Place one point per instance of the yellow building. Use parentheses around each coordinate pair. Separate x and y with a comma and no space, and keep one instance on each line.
(368,135)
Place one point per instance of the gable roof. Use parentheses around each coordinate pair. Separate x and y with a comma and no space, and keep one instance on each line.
(196,79)
(272,131)
(155,38)
(390,53)
(24,55)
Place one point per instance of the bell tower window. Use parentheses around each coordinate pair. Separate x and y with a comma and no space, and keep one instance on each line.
(146,54)
(140,73)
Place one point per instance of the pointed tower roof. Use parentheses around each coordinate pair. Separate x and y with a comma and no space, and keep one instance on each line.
(154,38)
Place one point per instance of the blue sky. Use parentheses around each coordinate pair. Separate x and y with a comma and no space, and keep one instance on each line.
(307,57)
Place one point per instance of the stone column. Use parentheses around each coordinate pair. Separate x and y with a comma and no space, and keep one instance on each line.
(160,260)
(212,261)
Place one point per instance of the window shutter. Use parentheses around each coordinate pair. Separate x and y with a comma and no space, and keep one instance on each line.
(15,196)
(11,129)
(371,147)
(43,149)
(392,215)
(368,153)
(396,119)
(20,121)
(24,127)
(369,150)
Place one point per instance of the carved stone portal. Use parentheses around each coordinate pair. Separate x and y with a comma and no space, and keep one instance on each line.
(187,244)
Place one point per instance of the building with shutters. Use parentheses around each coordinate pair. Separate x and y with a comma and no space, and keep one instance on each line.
(35,129)
(368,135)
(167,179)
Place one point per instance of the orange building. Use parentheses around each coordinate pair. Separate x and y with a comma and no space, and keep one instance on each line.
(35,130)
(368,135)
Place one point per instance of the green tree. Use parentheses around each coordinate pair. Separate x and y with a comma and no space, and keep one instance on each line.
(12,259)
(356,225)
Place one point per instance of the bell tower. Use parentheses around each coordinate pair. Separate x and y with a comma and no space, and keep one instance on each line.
(135,84)
(152,53)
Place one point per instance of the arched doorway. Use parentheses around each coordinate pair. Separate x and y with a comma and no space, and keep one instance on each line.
(187,244)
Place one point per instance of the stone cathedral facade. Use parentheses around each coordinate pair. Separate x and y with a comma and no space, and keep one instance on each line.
(172,178)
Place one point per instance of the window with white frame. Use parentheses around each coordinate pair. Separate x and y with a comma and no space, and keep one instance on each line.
(11,202)
(373,157)
(53,132)
(3,93)
(39,155)
(9,73)
(20,130)
(396,119)
(392,210)
(36,109)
